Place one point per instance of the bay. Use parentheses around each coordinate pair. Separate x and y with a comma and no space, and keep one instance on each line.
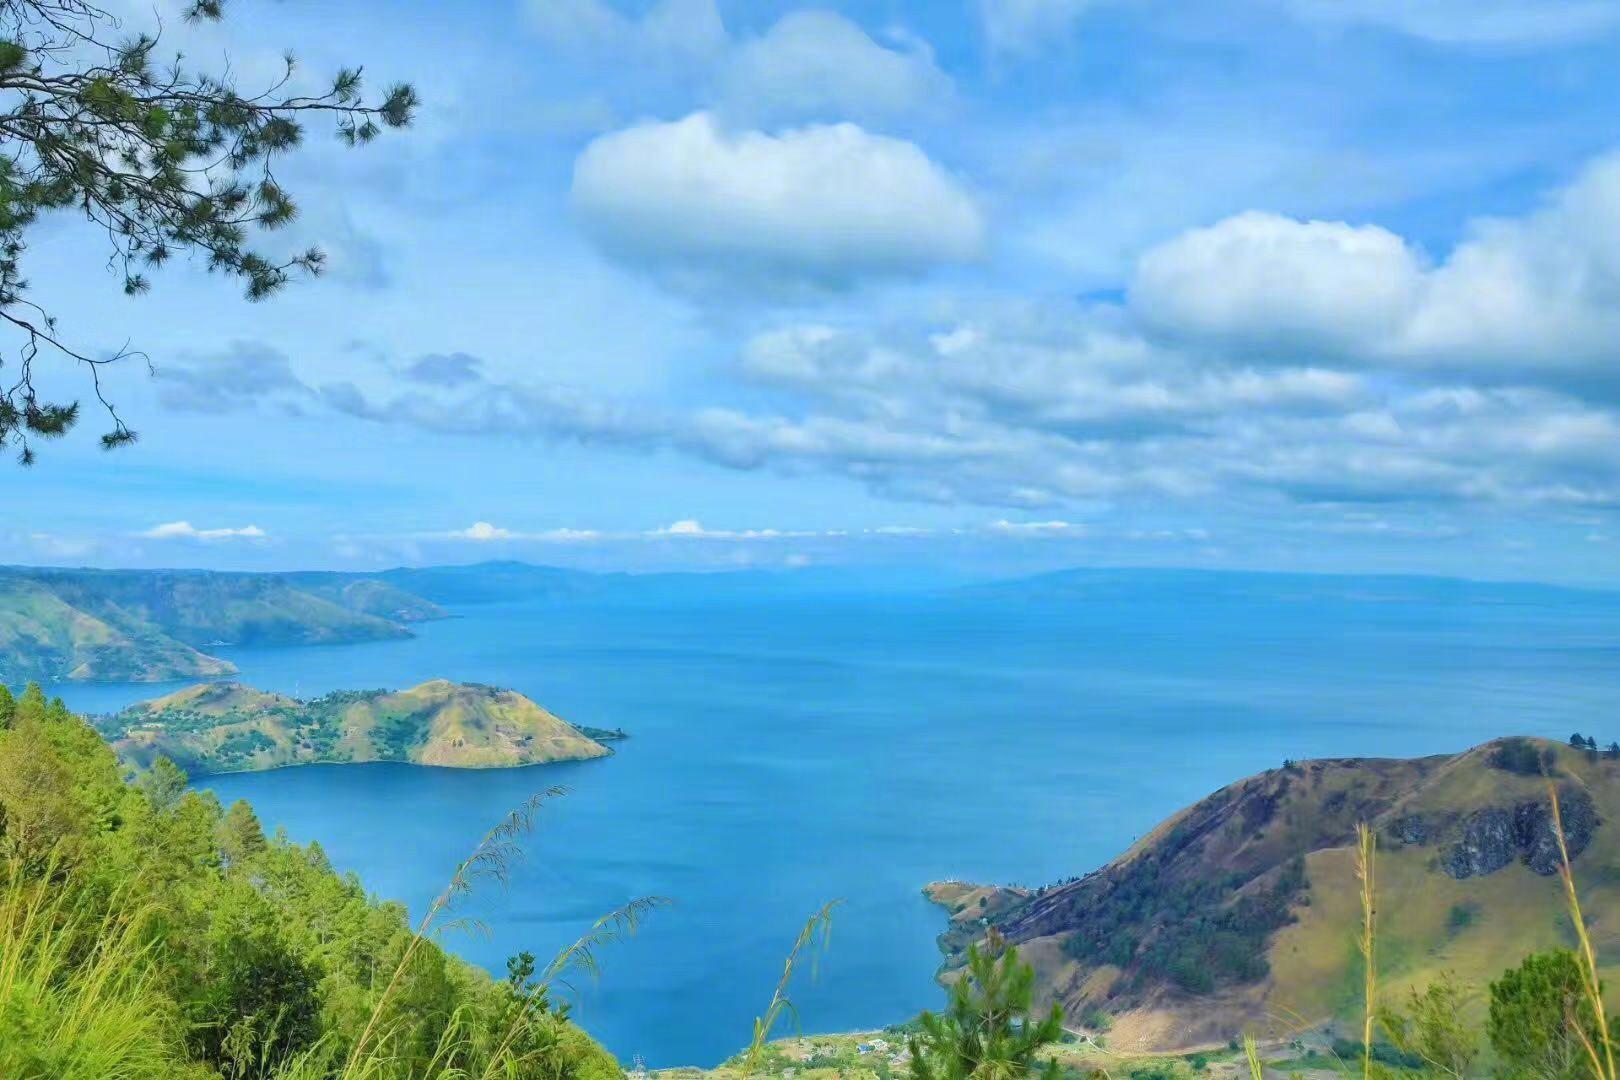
(790,748)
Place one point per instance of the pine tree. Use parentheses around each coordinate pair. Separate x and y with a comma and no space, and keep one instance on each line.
(1535,1010)
(160,159)
(163,782)
(989,1030)
(8,707)
(32,705)
(240,834)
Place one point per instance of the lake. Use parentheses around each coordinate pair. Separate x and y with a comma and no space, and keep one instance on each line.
(792,748)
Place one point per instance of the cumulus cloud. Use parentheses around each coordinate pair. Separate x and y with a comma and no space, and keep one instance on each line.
(810,64)
(1267,280)
(185,530)
(822,204)
(818,64)
(481,531)
(1537,292)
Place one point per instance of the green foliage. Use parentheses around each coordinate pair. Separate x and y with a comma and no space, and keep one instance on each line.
(161,159)
(989,1028)
(1432,1031)
(1521,756)
(1204,933)
(1538,1011)
(146,933)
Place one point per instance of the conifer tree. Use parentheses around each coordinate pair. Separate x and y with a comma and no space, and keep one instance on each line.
(240,834)
(989,1031)
(161,159)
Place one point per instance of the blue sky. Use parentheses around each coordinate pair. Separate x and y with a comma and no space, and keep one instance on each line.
(993,284)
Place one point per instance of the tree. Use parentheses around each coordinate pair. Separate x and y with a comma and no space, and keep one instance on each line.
(164,782)
(240,834)
(1577,740)
(163,159)
(989,1030)
(8,707)
(1432,1030)
(1537,1012)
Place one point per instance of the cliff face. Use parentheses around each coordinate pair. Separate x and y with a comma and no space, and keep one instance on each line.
(1241,908)
(227,727)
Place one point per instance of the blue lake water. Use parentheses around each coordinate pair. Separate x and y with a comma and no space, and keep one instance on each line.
(788,750)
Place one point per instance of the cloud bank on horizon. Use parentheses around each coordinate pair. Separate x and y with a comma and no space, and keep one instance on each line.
(1273,282)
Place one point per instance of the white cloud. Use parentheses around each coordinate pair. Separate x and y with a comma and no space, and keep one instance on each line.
(1537,292)
(185,530)
(818,64)
(484,532)
(690,529)
(481,532)
(820,204)
(1268,280)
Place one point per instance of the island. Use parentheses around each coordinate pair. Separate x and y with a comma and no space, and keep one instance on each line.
(225,727)
(158,625)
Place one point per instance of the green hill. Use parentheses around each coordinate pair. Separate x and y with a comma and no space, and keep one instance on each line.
(228,727)
(155,625)
(1238,912)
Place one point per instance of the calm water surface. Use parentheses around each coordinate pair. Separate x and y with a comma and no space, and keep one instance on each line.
(794,750)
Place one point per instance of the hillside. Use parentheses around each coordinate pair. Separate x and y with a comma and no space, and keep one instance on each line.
(1239,911)
(228,727)
(151,934)
(153,625)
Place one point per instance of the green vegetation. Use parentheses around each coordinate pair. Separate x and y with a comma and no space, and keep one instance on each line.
(228,727)
(153,625)
(989,1028)
(1521,756)
(1210,933)
(160,160)
(147,934)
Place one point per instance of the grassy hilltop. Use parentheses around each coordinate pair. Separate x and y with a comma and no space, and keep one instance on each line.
(155,625)
(1235,913)
(229,727)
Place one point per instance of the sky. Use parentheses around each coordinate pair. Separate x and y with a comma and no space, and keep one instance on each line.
(993,285)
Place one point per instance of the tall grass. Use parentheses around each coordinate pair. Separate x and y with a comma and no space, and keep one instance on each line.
(1366,869)
(816,932)
(81,994)
(1602,1064)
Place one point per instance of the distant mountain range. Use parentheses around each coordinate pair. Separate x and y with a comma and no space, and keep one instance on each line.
(222,727)
(1239,912)
(155,625)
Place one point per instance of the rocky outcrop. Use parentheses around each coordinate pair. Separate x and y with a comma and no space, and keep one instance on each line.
(1494,836)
